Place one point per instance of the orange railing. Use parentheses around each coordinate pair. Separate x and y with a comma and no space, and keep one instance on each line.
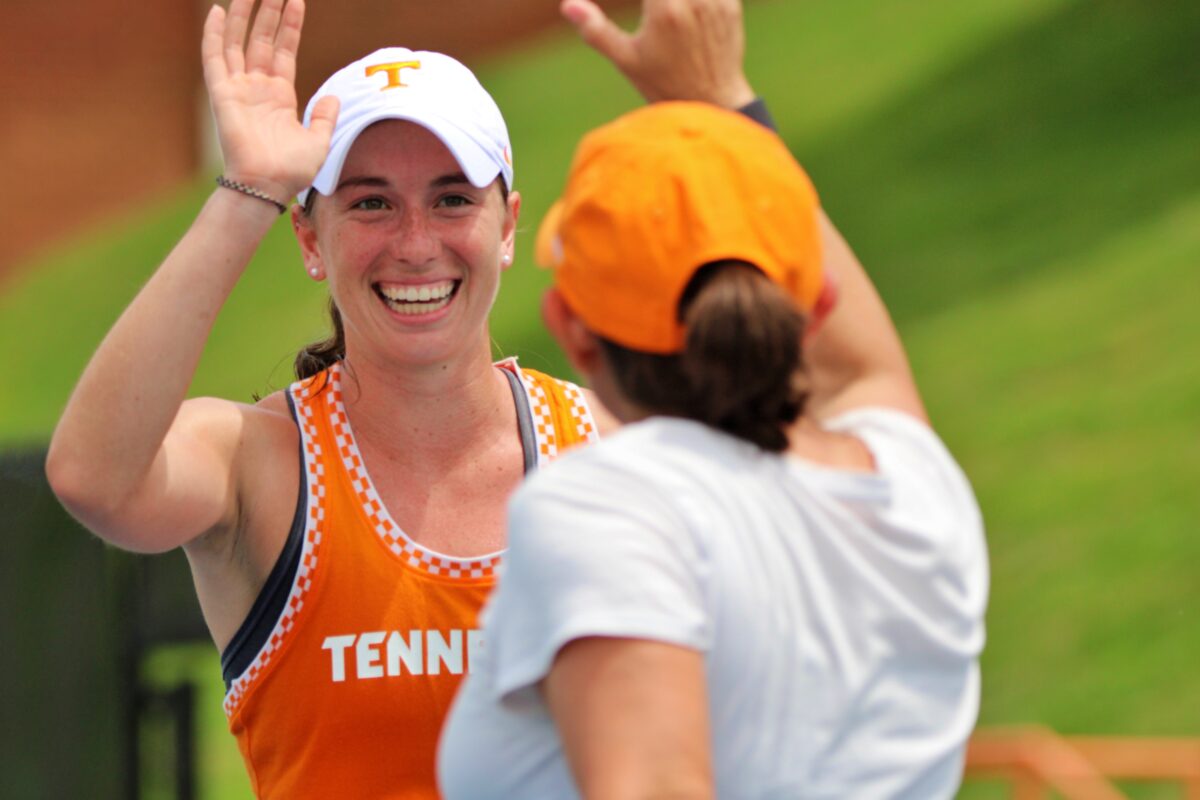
(1035,760)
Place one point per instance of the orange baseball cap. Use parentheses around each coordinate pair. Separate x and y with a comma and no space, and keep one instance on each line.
(654,196)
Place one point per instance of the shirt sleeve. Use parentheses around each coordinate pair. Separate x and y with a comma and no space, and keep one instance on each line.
(932,493)
(931,521)
(593,551)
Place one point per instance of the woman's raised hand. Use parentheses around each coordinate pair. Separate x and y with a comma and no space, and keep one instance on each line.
(252,88)
(682,49)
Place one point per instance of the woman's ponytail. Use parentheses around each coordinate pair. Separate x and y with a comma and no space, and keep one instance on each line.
(741,369)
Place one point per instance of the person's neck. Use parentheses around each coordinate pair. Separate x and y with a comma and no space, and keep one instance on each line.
(422,414)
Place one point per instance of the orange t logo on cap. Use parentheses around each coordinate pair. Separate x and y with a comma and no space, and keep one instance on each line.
(393,72)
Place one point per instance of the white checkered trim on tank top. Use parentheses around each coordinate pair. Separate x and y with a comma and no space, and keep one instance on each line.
(543,423)
(314,470)
(395,539)
(540,409)
(581,414)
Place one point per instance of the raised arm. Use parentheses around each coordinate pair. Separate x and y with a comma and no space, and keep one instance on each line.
(132,460)
(682,50)
(855,357)
(694,50)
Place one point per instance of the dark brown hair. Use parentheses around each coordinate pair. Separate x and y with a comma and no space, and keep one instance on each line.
(322,355)
(741,370)
(319,356)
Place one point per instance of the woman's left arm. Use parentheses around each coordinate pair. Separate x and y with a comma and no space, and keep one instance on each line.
(632,715)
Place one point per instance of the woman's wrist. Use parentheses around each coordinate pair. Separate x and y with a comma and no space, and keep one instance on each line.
(279,203)
(237,213)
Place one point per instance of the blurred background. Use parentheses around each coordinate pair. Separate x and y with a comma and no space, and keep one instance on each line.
(1020,177)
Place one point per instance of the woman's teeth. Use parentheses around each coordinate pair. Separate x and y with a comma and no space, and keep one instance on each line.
(417,299)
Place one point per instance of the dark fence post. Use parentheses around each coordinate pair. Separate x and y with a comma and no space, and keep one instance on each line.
(59,719)
(77,619)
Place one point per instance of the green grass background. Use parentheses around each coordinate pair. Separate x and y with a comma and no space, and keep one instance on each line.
(1022,179)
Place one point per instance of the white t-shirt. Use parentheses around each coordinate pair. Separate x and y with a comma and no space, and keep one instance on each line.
(840,614)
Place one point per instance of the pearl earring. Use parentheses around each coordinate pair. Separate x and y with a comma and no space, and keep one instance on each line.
(507,258)
(312,271)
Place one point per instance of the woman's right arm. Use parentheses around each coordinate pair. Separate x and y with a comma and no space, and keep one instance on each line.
(130,458)
(855,357)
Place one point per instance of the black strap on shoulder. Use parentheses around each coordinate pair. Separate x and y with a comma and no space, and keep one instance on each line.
(256,629)
(524,420)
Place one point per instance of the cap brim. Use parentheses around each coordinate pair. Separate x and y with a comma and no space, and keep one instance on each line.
(479,168)
(547,247)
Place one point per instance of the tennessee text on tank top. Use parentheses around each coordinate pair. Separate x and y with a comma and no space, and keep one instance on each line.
(340,677)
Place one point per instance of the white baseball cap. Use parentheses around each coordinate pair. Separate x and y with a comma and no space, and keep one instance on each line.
(432,90)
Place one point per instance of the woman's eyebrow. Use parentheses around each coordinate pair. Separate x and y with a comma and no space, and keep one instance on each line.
(360,180)
(449,179)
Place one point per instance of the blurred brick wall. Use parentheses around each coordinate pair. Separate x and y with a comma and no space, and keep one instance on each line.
(98,111)
(101,98)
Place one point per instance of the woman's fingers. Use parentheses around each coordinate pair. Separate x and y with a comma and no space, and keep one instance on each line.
(260,49)
(212,54)
(272,44)
(324,117)
(287,43)
(600,32)
(237,19)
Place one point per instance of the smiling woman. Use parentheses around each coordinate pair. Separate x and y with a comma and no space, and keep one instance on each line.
(343,533)
(347,528)
(404,220)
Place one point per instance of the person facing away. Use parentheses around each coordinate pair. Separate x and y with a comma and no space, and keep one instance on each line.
(343,533)
(770,583)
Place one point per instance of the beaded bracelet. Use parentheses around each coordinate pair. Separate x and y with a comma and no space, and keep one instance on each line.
(250,190)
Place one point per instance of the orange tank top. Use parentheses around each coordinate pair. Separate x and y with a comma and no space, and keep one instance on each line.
(341,675)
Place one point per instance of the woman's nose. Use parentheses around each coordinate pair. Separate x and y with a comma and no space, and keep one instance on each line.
(414,241)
